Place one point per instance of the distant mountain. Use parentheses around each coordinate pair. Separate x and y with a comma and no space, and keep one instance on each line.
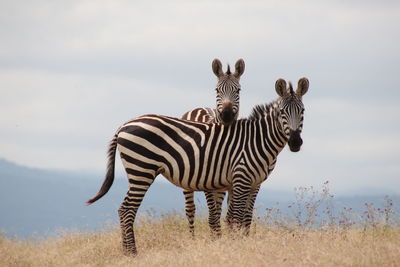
(42,201)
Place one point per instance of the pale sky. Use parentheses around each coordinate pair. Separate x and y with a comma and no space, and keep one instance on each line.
(72,71)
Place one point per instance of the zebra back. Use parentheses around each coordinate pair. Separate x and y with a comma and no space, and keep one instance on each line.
(200,115)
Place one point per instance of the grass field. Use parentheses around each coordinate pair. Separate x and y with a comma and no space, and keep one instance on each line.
(166,242)
(313,233)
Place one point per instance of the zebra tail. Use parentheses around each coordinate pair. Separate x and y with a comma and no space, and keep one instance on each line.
(109,178)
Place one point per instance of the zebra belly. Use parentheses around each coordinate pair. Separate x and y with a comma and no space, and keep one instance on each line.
(198,186)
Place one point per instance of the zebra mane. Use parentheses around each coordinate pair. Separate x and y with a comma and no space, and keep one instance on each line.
(291,89)
(260,111)
(228,71)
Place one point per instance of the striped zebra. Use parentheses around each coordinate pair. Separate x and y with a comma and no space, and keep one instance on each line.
(205,156)
(226,111)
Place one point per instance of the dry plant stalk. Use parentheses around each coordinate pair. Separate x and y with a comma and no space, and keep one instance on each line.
(167,242)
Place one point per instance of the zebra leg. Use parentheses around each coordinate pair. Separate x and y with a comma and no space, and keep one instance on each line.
(248,216)
(219,198)
(213,217)
(125,214)
(128,209)
(229,217)
(241,192)
(190,209)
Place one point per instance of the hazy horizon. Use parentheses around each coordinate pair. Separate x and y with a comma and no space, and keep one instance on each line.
(37,202)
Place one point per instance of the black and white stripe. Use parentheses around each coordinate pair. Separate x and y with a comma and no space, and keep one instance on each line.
(205,156)
(228,95)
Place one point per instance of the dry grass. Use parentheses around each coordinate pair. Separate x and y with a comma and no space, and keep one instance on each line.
(167,243)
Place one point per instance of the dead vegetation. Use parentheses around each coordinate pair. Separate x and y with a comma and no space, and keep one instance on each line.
(167,242)
(299,238)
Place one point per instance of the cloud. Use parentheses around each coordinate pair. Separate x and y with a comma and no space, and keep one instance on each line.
(72,72)
(50,114)
(142,30)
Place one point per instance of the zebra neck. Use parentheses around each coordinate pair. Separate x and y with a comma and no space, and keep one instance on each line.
(273,136)
(274,139)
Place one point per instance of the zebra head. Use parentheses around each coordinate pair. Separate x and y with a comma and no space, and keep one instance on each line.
(291,110)
(228,88)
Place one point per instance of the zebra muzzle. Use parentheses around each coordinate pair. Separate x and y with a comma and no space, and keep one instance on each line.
(295,141)
(227,113)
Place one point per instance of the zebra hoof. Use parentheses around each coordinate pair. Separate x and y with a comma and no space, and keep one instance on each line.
(129,252)
(216,235)
(229,222)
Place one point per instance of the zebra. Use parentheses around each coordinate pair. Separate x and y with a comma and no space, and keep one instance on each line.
(227,110)
(205,156)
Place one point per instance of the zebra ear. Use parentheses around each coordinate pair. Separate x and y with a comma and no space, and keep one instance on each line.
(239,68)
(217,67)
(280,87)
(302,86)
